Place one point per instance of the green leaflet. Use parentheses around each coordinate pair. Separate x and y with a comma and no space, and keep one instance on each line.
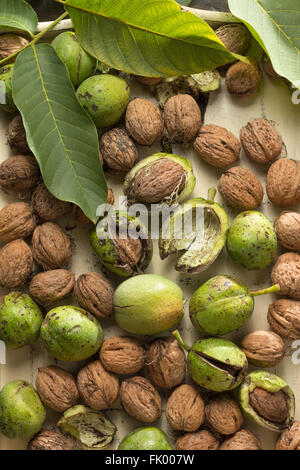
(154,38)
(60,134)
(17,14)
(275,24)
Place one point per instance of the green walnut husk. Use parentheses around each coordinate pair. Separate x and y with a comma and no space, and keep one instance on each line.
(252,240)
(200,246)
(148,304)
(105,98)
(215,364)
(223,304)
(91,428)
(20,320)
(177,196)
(6,90)
(271,383)
(118,255)
(147,438)
(79,63)
(71,334)
(22,413)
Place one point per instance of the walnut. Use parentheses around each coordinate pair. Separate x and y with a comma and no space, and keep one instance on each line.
(261,141)
(147,80)
(263,348)
(10,44)
(286,273)
(16,135)
(182,118)
(165,362)
(271,406)
(243,80)
(217,146)
(289,438)
(140,399)
(51,286)
(52,440)
(235,36)
(16,221)
(185,409)
(224,415)
(122,355)
(19,173)
(118,151)
(94,293)
(47,206)
(51,247)
(283,182)
(16,263)
(56,387)
(144,121)
(200,440)
(287,228)
(241,189)
(242,440)
(98,388)
(284,318)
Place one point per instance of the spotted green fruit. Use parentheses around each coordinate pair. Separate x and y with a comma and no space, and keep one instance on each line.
(147,438)
(105,98)
(148,304)
(71,334)
(20,320)
(215,364)
(223,304)
(270,383)
(6,99)
(22,413)
(79,63)
(252,240)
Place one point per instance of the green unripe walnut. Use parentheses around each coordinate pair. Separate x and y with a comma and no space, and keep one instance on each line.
(105,98)
(22,413)
(71,334)
(147,438)
(79,63)
(6,99)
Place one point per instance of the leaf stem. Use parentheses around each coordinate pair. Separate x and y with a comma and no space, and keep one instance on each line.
(268,290)
(211,194)
(35,38)
(176,334)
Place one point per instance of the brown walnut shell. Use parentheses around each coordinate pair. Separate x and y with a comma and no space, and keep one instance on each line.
(286,273)
(16,221)
(122,355)
(16,264)
(182,118)
(261,141)
(243,80)
(19,173)
(144,121)
(16,135)
(140,399)
(235,36)
(118,151)
(284,318)
(57,388)
(263,348)
(242,440)
(185,409)
(217,146)
(200,440)
(289,438)
(98,388)
(51,286)
(271,406)
(283,182)
(46,206)
(94,293)
(287,228)
(165,363)
(51,247)
(241,189)
(52,440)
(224,415)
(10,44)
